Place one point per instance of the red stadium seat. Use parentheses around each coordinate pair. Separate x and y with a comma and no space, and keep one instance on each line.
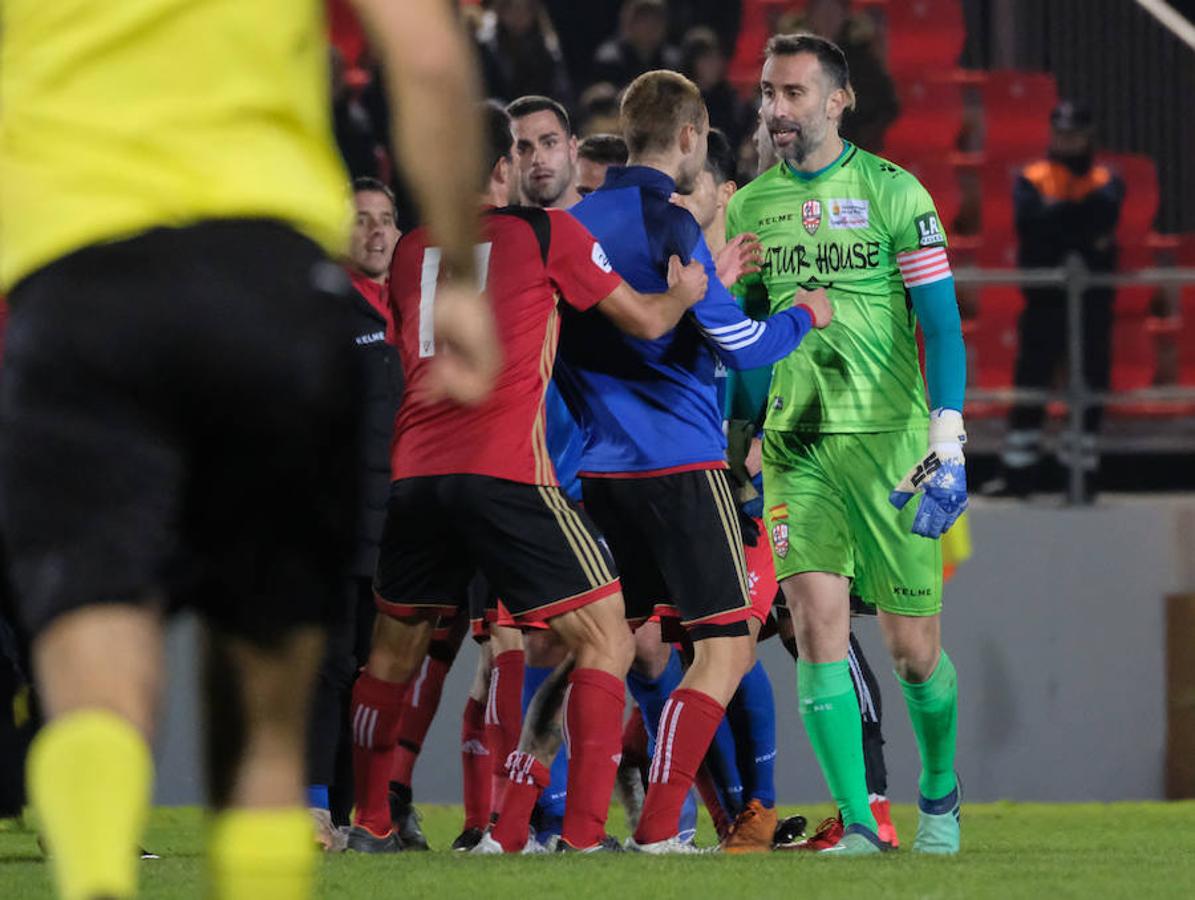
(931,117)
(992,342)
(925,37)
(1017,108)
(997,178)
(1140,177)
(940,178)
(1134,358)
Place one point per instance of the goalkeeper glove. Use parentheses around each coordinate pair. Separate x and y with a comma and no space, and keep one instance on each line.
(940,477)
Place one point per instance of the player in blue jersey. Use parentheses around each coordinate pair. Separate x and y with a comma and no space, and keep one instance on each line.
(653,462)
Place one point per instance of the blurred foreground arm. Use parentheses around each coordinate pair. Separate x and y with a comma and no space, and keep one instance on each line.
(432,83)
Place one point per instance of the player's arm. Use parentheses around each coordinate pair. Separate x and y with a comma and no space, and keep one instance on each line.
(651,316)
(745,343)
(432,83)
(578,267)
(941,474)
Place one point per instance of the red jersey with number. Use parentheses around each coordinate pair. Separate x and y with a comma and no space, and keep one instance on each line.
(531,259)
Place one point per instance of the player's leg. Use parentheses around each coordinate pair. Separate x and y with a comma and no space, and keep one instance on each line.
(421,576)
(813,551)
(504,706)
(543,652)
(476,767)
(714,605)
(902,574)
(258,698)
(89,486)
(90,772)
(422,702)
(333,684)
(871,708)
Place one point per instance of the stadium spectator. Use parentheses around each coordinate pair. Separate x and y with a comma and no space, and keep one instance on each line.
(876,106)
(640,45)
(598,109)
(355,133)
(596,154)
(704,60)
(371,245)
(1064,205)
(520,53)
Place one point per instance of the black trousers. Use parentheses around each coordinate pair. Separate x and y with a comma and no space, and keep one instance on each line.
(329,751)
(1044,338)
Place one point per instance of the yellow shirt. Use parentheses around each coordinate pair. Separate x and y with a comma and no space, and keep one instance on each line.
(117,116)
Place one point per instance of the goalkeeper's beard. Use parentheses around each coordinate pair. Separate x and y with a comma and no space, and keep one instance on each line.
(803,142)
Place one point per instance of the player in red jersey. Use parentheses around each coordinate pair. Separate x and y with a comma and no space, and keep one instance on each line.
(475,490)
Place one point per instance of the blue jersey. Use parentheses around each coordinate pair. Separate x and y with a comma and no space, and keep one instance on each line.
(563,440)
(652,406)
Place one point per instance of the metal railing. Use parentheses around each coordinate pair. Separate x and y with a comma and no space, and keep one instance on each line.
(1075,278)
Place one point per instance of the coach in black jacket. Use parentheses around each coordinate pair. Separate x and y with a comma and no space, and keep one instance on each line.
(372,245)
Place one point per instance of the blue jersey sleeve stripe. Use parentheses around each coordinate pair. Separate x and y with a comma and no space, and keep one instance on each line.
(744,325)
(743,340)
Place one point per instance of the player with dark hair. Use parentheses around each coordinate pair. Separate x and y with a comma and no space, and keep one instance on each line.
(596,154)
(847,428)
(654,457)
(179,397)
(492,503)
(546,151)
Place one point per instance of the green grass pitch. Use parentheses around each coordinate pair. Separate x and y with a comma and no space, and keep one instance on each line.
(1009,850)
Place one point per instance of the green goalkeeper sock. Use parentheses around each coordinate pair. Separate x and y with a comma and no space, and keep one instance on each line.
(830,711)
(933,709)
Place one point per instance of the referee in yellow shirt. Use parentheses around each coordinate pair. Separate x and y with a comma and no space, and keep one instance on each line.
(178,402)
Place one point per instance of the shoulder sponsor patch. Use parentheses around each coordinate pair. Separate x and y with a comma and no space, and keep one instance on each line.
(599,258)
(849,213)
(929,232)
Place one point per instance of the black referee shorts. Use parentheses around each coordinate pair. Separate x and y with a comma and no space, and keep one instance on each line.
(679,548)
(180,423)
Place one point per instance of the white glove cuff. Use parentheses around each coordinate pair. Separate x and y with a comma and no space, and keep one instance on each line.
(946,432)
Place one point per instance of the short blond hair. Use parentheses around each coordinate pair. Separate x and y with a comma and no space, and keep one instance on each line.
(655,108)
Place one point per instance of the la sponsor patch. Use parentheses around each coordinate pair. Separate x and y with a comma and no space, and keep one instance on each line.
(811,215)
(600,259)
(929,231)
(848,213)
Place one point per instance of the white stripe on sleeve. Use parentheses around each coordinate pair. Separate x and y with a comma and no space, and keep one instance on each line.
(920,267)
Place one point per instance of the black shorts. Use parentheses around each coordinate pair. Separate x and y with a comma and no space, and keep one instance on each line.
(180,426)
(536,549)
(678,545)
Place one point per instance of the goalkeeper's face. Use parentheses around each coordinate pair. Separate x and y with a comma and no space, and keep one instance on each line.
(798,105)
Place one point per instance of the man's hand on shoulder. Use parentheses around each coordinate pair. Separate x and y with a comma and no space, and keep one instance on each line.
(742,256)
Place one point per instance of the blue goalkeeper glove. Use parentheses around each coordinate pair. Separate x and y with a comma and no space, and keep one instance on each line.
(940,477)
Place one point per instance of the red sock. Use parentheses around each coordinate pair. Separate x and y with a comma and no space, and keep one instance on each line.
(422,702)
(634,742)
(375,715)
(526,779)
(475,766)
(593,730)
(713,804)
(687,726)
(504,714)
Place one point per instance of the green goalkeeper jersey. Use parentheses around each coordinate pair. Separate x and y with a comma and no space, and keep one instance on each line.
(841,229)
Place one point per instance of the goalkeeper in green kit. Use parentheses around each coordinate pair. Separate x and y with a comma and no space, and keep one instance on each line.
(849,439)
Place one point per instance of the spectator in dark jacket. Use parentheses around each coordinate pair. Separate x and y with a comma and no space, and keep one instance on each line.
(1065,204)
(640,46)
(370,250)
(704,61)
(520,53)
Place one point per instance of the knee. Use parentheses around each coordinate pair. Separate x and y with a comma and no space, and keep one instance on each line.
(914,665)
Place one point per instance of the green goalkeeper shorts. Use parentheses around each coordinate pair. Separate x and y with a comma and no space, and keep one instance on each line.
(826,510)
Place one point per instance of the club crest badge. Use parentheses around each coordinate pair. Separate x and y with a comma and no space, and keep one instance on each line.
(811,215)
(780,539)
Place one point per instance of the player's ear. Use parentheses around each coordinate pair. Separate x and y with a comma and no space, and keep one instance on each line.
(687,138)
(572,149)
